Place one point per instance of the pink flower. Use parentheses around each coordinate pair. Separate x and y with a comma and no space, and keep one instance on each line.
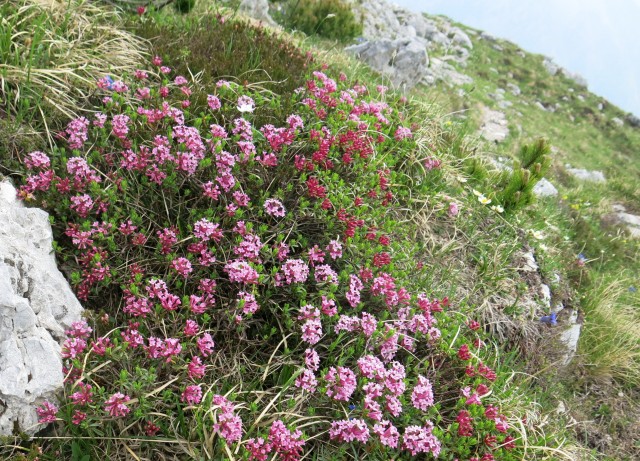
(206,230)
(353,295)
(120,125)
(182,266)
(371,367)
(77,130)
(418,439)
(349,430)
(206,344)
(287,445)
(295,271)
(329,307)
(402,133)
(249,303)
(334,249)
(229,425)
(464,420)
(341,383)
(242,272)
(312,331)
(83,396)
(422,395)
(73,347)
(453,209)
(115,405)
(82,204)
(47,412)
(387,432)
(324,273)
(192,395)
(196,369)
(274,207)
(79,329)
(213,102)
(78,417)
(307,381)
(312,359)
(191,328)
(258,449)
(37,159)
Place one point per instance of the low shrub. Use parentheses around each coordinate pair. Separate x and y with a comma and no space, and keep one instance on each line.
(252,291)
(332,19)
(215,47)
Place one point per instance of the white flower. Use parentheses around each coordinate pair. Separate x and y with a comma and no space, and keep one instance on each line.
(246,104)
(484,200)
(497,208)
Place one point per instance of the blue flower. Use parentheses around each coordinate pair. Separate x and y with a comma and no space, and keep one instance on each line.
(549,319)
(111,82)
(352,407)
(632,289)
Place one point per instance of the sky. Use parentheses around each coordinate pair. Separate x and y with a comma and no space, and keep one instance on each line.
(596,38)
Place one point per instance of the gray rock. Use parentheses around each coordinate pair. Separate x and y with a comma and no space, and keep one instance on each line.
(488,37)
(633,120)
(551,66)
(632,222)
(404,61)
(36,306)
(539,105)
(460,38)
(587,175)
(544,188)
(617,122)
(257,9)
(570,337)
(504,104)
(577,78)
(439,70)
(494,125)
(515,89)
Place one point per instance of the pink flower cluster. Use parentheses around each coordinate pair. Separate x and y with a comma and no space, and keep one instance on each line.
(286,445)
(229,424)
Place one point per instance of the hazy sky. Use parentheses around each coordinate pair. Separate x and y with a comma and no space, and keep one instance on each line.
(598,39)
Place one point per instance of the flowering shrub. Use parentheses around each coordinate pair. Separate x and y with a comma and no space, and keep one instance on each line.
(253,277)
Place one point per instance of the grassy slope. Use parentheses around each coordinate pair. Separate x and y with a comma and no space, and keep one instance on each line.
(585,137)
(477,257)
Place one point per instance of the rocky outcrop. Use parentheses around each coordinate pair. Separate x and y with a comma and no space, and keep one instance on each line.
(554,69)
(257,9)
(36,306)
(544,188)
(404,61)
(391,29)
(586,175)
(494,125)
(621,217)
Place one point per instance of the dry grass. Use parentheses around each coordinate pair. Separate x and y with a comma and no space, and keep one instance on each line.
(54,53)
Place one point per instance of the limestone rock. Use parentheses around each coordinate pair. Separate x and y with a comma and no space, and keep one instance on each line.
(515,89)
(633,120)
(551,66)
(257,9)
(404,61)
(494,125)
(586,175)
(617,122)
(544,188)
(621,217)
(36,306)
